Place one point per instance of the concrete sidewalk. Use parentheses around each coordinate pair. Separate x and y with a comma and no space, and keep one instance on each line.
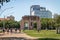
(18,35)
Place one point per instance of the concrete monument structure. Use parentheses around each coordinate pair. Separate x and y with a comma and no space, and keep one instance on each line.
(27,22)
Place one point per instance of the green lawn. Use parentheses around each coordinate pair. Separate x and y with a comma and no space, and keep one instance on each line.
(0,31)
(43,33)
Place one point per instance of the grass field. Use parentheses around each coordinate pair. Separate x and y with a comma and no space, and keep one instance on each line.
(42,33)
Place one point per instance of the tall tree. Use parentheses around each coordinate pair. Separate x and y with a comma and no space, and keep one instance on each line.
(2,1)
(46,23)
(57,23)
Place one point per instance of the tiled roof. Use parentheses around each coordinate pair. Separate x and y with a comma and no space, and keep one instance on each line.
(5,19)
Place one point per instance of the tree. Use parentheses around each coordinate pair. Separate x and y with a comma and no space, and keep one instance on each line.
(13,24)
(57,23)
(55,15)
(43,23)
(10,24)
(1,24)
(46,23)
(2,1)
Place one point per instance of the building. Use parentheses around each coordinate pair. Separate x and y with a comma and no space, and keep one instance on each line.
(11,17)
(8,18)
(36,10)
(27,22)
(1,19)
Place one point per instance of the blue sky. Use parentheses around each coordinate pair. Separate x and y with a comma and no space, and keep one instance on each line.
(22,7)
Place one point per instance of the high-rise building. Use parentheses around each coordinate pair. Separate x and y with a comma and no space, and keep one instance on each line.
(36,10)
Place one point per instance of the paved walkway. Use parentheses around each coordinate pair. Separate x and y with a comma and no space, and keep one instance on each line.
(22,35)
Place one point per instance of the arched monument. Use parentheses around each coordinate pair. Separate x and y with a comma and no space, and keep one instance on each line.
(27,22)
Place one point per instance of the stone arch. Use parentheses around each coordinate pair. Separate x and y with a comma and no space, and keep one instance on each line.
(30,20)
(26,25)
(35,25)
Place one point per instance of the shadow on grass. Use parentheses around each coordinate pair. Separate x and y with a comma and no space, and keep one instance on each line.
(48,39)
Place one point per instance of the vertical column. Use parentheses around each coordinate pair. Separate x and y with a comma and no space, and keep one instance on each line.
(30,24)
(22,24)
(38,24)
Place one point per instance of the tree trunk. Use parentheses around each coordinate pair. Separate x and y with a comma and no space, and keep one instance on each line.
(57,30)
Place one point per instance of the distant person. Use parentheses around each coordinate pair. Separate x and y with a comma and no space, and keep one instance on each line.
(16,30)
(4,30)
(11,30)
(19,30)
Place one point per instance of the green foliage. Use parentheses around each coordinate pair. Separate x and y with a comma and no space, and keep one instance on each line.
(10,24)
(50,23)
(48,39)
(35,25)
(46,23)
(2,1)
(0,31)
(57,24)
(57,21)
(1,23)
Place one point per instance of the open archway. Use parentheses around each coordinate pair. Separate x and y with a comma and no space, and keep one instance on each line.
(35,25)
(30,22)
(26,25)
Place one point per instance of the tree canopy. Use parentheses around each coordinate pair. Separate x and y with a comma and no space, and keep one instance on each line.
(10,24)
(2,1)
